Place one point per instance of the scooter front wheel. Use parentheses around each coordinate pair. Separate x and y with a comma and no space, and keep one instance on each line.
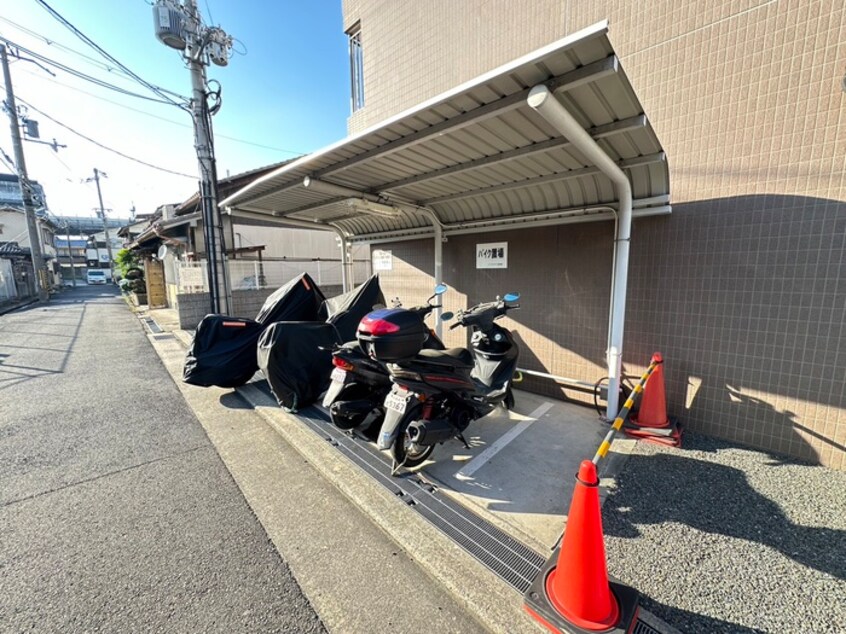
(508,402)
(406,453)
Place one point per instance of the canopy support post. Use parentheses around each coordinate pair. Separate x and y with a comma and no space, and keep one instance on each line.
(439,260)
(547,105)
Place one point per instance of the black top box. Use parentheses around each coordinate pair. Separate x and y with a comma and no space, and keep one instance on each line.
(392,334)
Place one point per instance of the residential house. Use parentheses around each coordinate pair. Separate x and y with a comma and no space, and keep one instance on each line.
(261,255)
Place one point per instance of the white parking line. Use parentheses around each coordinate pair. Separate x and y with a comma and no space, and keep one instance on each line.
(479,461)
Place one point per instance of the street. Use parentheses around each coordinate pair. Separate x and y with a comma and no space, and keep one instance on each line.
(116,512)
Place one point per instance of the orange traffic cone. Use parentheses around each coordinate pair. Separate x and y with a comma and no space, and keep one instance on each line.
(572,592)
(652,411)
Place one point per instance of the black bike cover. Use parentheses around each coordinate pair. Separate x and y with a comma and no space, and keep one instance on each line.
(298,300)
(296,359)
(223,352)
(345,311)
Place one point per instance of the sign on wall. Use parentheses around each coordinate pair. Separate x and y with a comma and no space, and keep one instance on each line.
(492,255)
(382,260)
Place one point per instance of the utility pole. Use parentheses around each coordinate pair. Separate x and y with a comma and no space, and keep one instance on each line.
(70,253)
(181,27)
(102,214)
(26,190)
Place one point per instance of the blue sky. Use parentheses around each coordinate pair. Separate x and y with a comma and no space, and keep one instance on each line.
(285,88)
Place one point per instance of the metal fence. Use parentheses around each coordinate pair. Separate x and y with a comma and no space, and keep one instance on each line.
(192,277)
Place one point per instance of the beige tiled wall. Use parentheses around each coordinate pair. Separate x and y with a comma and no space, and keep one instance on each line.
(742,287)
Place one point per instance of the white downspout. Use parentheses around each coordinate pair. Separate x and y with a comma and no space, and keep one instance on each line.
(345,273)
(439,260)
(547,105)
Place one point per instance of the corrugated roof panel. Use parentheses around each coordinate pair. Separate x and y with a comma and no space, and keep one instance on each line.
(480,152)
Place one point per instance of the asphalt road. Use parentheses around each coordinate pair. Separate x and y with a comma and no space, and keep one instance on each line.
(116,513)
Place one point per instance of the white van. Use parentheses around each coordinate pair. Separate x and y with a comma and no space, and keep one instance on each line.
(96,276)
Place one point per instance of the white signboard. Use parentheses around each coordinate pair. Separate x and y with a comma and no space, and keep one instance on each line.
(382,260)
(492,255)
(191,277)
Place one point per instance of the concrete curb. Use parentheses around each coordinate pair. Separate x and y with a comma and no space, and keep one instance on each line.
(490,600)
(8,309)
(493,602)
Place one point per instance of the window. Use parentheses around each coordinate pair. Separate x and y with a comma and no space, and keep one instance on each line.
(356,68)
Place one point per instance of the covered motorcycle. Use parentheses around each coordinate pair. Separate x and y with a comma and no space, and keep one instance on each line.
(223,352)
(298,300)
(296,359)
(347,310)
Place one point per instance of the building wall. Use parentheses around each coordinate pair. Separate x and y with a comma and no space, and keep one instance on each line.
(742,287)
(279,242)
(13,228)
(192,307)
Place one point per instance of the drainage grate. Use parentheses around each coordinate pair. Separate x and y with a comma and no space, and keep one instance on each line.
(152,325)
(644,628)
(508,558)
(164,336)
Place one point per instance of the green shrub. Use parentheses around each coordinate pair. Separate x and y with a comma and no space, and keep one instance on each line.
(126,260)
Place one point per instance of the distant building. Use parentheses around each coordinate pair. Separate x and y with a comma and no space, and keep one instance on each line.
(10,192)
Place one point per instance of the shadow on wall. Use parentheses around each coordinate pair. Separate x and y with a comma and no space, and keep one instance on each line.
(744,296)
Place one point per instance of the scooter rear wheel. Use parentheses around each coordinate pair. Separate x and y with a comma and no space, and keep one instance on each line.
(406,453)
(350,392)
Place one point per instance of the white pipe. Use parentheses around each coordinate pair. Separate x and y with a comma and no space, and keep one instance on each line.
(332,189)
(344,283)
(439,260)
(548,106)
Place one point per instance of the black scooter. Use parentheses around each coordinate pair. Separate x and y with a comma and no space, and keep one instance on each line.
(437,394)
(360,382)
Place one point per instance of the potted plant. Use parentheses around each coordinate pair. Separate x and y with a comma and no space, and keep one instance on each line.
(136,285)
(132,276)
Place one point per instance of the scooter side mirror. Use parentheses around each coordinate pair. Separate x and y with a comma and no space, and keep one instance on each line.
(447,316)
(440,289)
(512,297)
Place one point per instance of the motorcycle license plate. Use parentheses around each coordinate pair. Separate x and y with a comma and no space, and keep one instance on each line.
(396,401)
(338,379)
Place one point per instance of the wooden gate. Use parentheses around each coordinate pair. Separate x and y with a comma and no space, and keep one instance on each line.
(156,292)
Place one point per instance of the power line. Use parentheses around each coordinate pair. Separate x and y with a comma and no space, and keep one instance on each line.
(102,52)
(79,74)
(165,119)
(92,61)
(105,147)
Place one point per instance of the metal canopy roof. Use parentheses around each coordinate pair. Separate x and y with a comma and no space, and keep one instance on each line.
(479,157)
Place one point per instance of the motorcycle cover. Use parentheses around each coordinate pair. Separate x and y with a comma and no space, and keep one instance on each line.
(296,359)
(298,300)
(223,352)
(345,311)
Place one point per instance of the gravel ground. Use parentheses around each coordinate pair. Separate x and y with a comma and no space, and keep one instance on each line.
(721,538)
